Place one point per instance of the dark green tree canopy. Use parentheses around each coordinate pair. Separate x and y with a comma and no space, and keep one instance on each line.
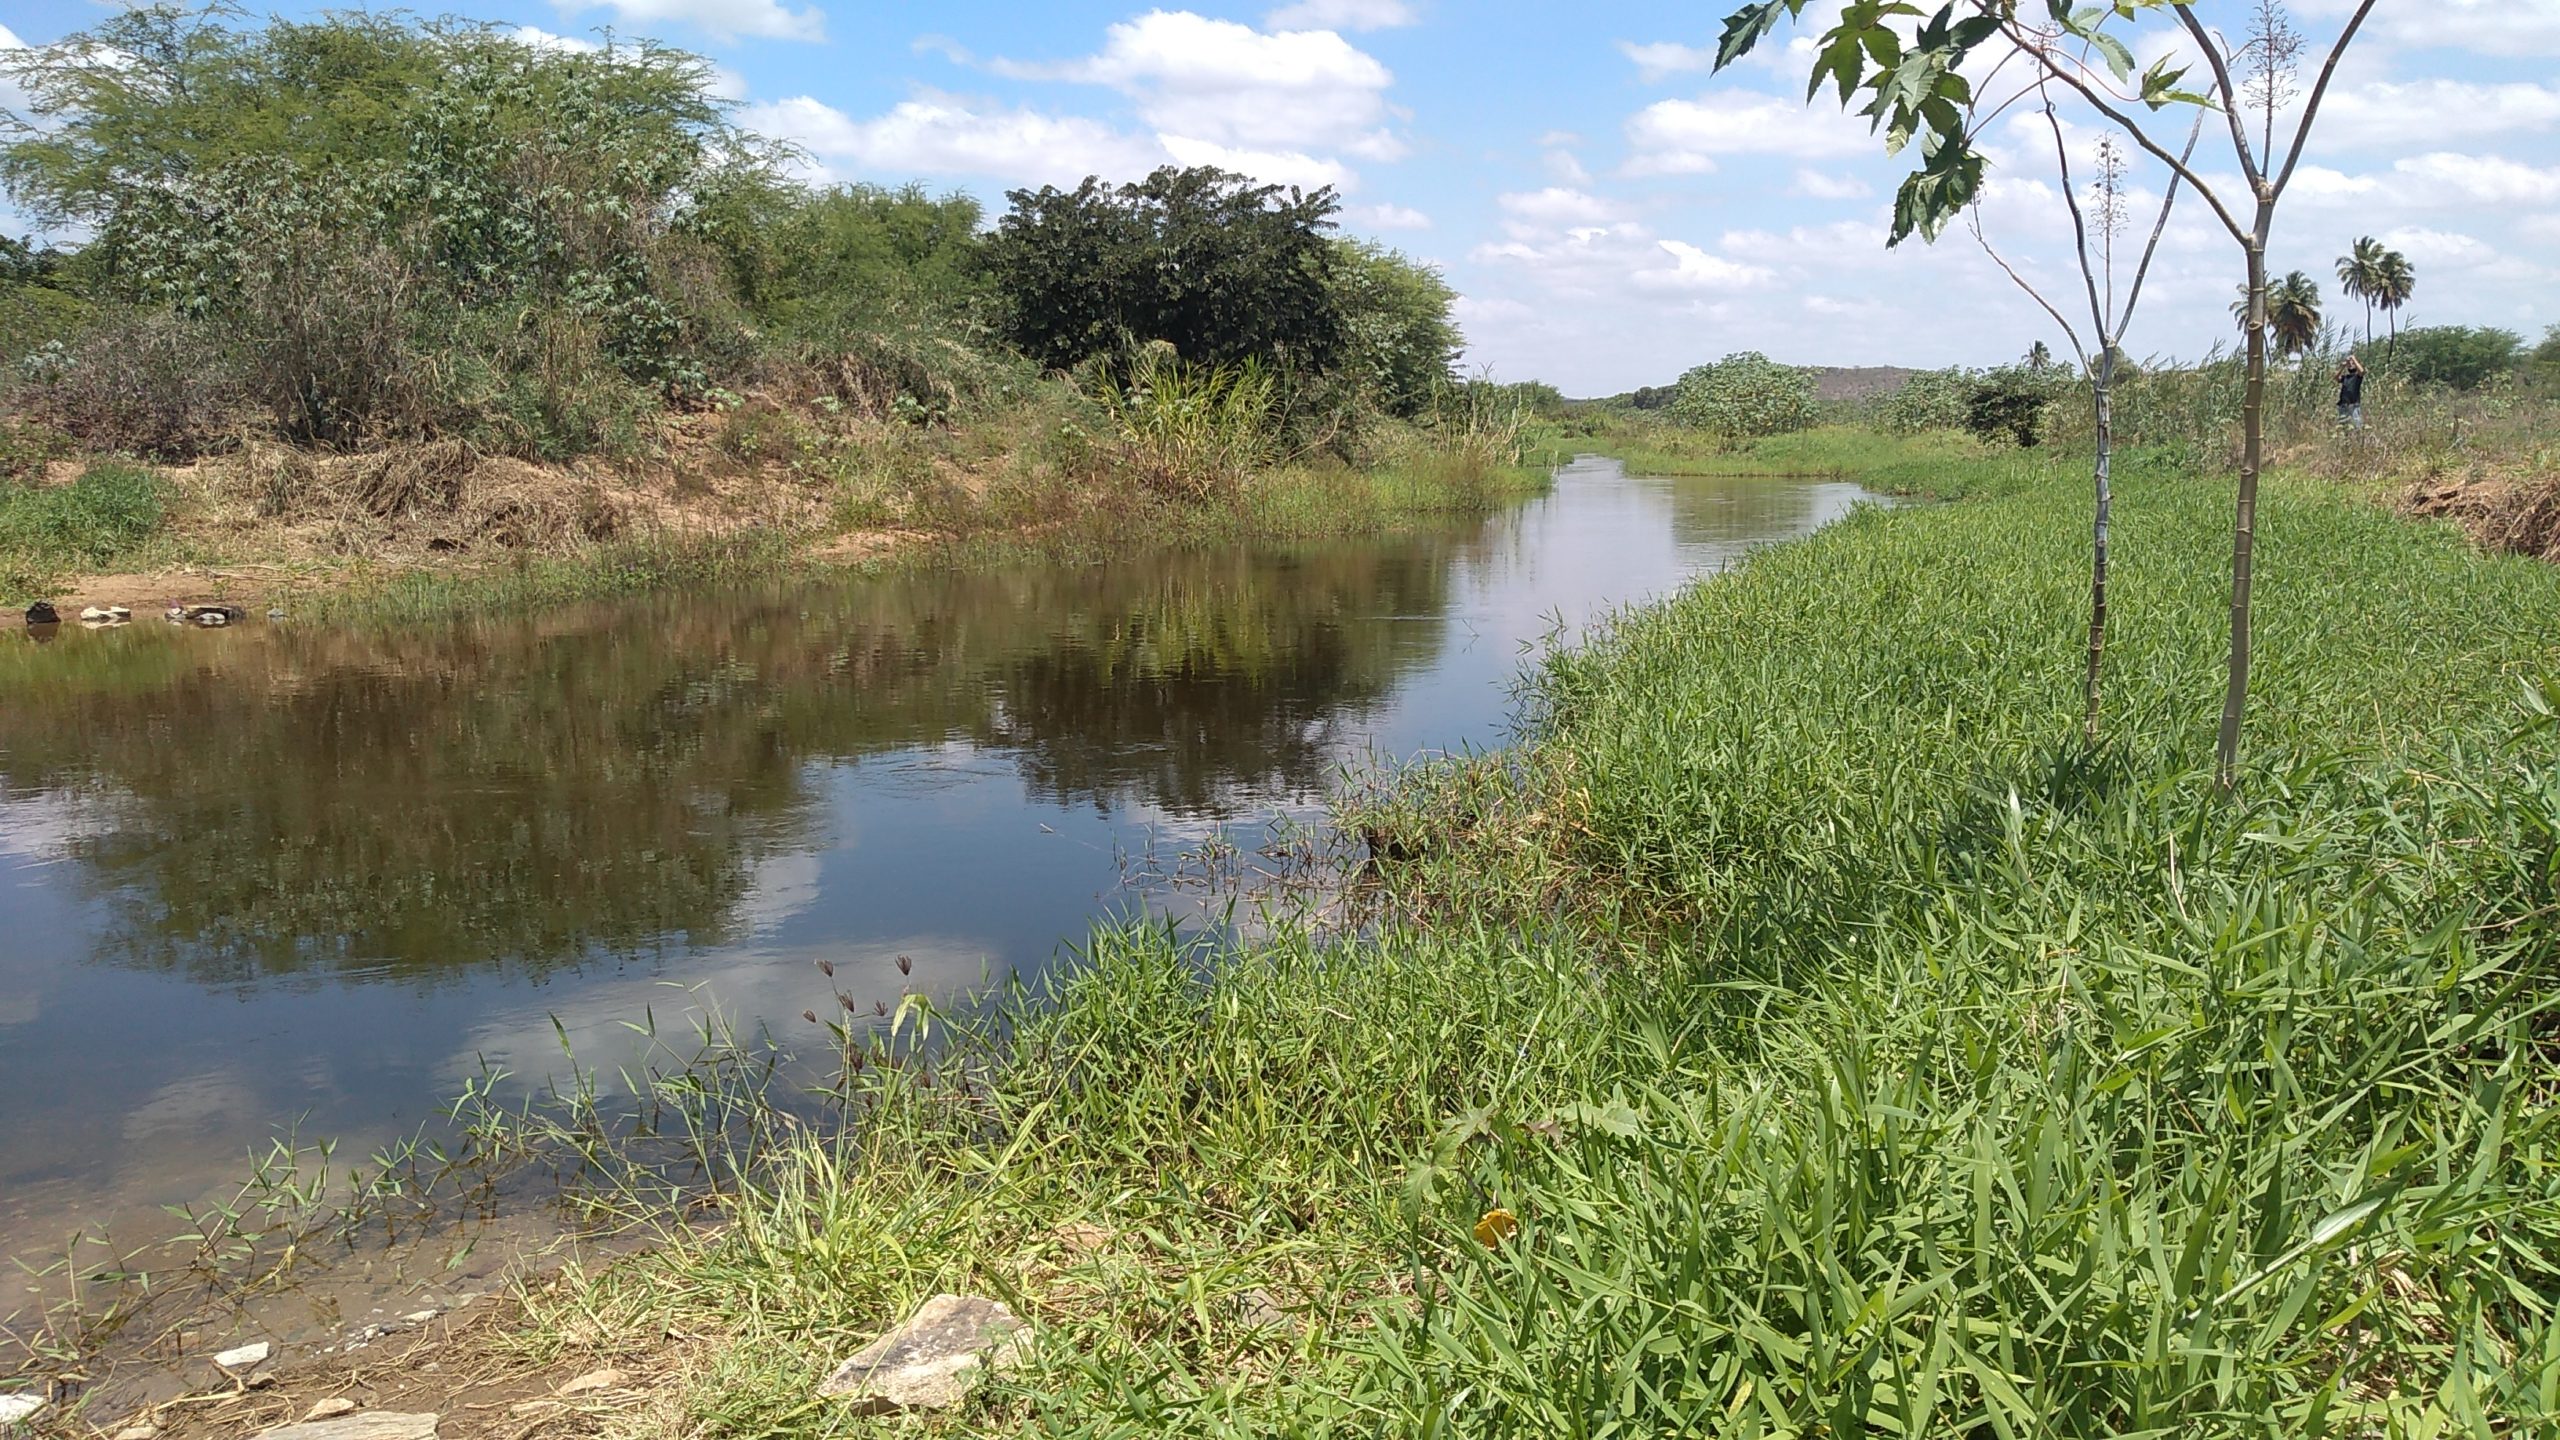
(2464,357)
(1217,266)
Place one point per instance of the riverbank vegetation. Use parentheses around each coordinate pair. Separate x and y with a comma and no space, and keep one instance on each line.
(364,289)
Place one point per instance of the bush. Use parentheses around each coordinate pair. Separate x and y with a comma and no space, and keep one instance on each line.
(1745,396)
(1930,400)
(142,383)
(2009,404)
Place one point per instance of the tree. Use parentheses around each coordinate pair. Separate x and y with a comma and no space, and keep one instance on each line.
(2360,276)
(2108,322)
(1745,396)
(1209,262)
(1401,346)
(2399,281)
(2462,357)
(1921,92)
(2292,313)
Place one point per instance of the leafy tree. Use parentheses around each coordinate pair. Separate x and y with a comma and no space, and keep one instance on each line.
(2397,282)
(2292,312)
(1400,344)
(816,264)
(2009,403)
(1217,266)
(2360,275)
(1744,396)
(2545,359)
(2463,357)
(1918,81)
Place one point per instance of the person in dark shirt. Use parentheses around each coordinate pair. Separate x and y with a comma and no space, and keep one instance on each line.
(2351,393)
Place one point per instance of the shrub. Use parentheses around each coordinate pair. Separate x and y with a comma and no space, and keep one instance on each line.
(1745,396)
(142,383)
(2009,404)
(1191,430)
(1930,400)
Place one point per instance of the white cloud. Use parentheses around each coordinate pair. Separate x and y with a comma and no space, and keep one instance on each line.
(1684,137)
(1656,61)
(1272,167)
(1228,84)
(2507,29)
(724,19)
(2545,228)
(1342,15)
(2439,179)
(946,135)
(2433,112)
(1557,206)
(9,39)
(1566,168)
(1386,217)
(2442,249)
(1695,269)
(1816,185)
(534,37)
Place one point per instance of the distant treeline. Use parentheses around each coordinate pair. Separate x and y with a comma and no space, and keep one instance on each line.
(366,229)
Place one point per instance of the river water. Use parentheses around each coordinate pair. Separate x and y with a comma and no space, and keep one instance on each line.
(280,879)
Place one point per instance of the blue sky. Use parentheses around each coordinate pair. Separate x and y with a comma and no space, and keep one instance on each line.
(1610,212)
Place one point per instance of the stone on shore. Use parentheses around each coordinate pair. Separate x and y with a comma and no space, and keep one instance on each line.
(20,1406)
(927,1363)
(607,1379)
(247,1357)
(331,1408)
(363,1425)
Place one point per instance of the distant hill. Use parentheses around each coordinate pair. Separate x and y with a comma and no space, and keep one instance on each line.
(1857,382)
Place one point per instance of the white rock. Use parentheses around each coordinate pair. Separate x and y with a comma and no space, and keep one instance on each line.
(364,1425)
(331,1408)
(419,1317)
(246,1357)
(14,1408)
(926,1364)
(595,1380)
(138,1432)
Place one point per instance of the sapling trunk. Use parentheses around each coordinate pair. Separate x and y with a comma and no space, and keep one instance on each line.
(2244,524)
(2103,399)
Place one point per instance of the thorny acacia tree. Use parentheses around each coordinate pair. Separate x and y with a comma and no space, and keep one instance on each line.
(1914,67)
(2107,215)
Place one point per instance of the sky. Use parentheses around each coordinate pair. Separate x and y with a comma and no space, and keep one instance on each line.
(1610,212)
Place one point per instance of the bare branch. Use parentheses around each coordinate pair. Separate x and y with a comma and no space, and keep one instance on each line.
(2077,349)
(2222,86)
(2311,108)
(2134,129)
(2159,227)
(2079,227)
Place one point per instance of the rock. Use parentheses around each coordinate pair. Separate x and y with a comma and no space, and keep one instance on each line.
(106,614)
(332,1408)
(1259,1309)
(926,1363)
(138,1432)
(594,1380)
(246,1357)
(43,613)
(363,1425)
(209,616)
(1082,1237)
(419,1317)
(18,1407)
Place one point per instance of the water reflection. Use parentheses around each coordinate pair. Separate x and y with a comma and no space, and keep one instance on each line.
(267,873)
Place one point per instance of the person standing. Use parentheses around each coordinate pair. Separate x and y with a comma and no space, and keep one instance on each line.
(2351,392)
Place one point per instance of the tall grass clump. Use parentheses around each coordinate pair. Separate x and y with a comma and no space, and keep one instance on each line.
(1190,429)
(99,519)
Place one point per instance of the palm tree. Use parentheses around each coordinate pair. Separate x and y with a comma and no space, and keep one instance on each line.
(2360,275)
(2293,313)
(2397,282)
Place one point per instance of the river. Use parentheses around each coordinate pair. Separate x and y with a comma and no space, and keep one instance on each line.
(280,878)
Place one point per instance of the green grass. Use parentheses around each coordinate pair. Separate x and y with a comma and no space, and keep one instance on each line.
(101,519)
